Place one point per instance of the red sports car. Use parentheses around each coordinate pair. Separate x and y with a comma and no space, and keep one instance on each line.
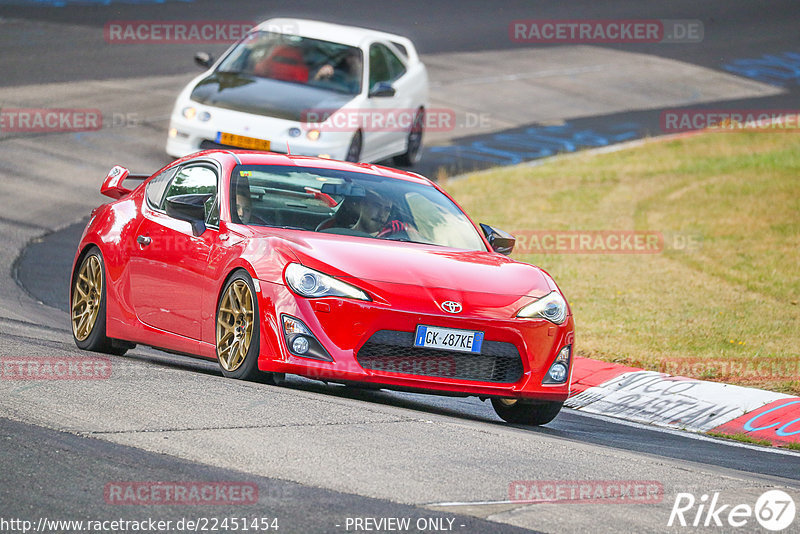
(342,272)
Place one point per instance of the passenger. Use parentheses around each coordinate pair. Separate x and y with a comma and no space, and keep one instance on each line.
(243,203)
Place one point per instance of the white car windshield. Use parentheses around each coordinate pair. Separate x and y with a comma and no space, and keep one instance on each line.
(348,203)
(291,58)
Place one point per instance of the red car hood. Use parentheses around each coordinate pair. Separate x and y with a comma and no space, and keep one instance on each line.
(416,264)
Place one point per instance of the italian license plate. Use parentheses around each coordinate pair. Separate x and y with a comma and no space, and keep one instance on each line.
(242,141)
(434,337)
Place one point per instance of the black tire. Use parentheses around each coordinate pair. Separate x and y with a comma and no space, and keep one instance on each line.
(240,314)
(414,142)
(526,412)
(88,307)
(354,150)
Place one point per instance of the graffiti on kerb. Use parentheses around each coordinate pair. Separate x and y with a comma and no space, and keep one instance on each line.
(776,69)
(536,142)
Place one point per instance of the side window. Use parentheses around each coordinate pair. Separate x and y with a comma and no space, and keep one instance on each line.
(157,186)
(197,180)
(401,48)
(378,67)
(213,212)
(396,67)
(384,65)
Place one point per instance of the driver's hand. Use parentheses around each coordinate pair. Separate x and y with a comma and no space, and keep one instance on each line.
(326,71)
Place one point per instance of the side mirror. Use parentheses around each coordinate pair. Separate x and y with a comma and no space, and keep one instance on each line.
(204,59)
(190,208)
(501,241)
(382,89)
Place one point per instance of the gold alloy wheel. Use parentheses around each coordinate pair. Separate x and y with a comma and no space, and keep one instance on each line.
(235,320)
(508,402)
(86,297)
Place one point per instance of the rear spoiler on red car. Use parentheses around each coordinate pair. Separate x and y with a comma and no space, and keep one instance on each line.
(112,185)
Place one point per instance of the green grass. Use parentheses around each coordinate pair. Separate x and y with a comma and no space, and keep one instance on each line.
(726,303)
(741,436)
(792,446)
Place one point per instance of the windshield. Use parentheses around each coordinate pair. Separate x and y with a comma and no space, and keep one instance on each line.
(348,203)
(296,59)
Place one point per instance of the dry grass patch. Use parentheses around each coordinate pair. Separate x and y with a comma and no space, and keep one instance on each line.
(731,296)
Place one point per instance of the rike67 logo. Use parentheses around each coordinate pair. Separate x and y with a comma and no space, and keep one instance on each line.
(774,511)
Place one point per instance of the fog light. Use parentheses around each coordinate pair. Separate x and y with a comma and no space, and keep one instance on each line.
(301,342)
(300,345)
(313,135)
(173,132)
(557,373)
(559,370)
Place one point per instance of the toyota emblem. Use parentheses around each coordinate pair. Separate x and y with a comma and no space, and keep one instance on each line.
(451,307)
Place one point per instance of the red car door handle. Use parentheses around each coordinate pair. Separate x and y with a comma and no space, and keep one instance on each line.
(143,240)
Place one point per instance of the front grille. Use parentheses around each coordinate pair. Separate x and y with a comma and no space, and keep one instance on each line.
(393,351)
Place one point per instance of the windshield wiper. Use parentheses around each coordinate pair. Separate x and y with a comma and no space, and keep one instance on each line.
(286,227)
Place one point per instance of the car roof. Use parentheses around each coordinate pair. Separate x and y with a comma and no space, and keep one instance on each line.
(327,31)
(247,157)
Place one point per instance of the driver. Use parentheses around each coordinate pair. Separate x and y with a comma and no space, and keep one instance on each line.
(375,210)
(348,69)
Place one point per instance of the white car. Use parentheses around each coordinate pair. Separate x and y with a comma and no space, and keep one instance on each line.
(304,87)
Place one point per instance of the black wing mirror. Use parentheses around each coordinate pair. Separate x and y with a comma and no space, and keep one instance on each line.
(190,208)
(204,59)
(501,241)
(382,89)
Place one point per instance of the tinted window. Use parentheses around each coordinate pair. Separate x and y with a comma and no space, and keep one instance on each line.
(396,66)
(378,66)
(157,186)
(384,65)
(196,180)
(348,203)
(295,59)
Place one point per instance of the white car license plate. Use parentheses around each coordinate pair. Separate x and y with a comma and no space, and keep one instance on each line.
(434,337)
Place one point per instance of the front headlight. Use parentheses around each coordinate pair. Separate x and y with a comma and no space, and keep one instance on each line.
(552,307)
(312,284)
(189,112)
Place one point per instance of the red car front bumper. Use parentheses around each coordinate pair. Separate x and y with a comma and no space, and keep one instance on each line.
(347,329)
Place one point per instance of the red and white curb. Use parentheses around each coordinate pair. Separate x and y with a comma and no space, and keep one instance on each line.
(684,403)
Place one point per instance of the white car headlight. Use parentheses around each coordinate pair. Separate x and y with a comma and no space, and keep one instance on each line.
(552,307)
(189,112)
(312,284)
